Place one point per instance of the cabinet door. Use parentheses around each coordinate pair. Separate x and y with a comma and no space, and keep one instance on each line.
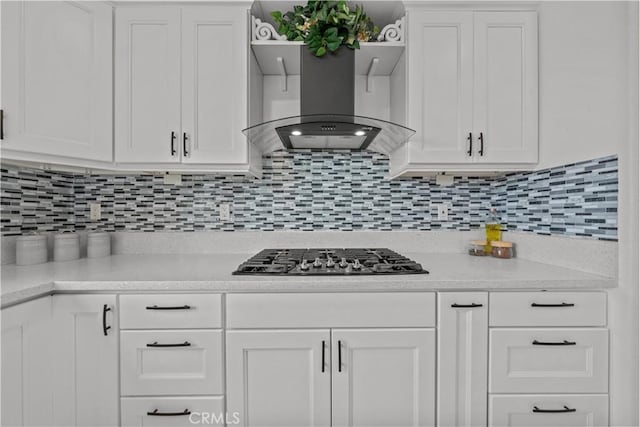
(462,358)
(440,79)
(26,364)
(383,377)
(506,87)
(147,85)
(214,84)
(56,79)
(86,360)
(277,377)
(553,410)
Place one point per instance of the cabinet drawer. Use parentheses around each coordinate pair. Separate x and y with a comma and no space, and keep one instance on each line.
(171,362)
(134,410)
(170,311)
(326,310)
(547,309)
(528,410)
(548,360)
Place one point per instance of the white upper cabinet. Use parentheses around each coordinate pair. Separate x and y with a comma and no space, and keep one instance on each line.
(214,85)
(505,103)
(147,86)
(57,81)
(441,94)
(181,88)
(471,91)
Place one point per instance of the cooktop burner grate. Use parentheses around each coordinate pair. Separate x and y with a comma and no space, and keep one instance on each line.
(333,261)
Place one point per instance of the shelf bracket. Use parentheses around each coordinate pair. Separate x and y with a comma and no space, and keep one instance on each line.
(393,32)
(371,73)
(264,31)
(283,72)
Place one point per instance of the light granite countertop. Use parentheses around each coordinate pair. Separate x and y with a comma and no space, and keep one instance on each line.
(212,273)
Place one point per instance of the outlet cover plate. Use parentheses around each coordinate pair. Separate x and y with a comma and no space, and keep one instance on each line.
(95,211)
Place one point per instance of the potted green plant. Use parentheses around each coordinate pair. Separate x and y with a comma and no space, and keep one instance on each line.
(324,26)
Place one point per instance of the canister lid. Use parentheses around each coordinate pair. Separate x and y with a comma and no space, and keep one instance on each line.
(31,238)
(98,235)
(501,244)
(66,236)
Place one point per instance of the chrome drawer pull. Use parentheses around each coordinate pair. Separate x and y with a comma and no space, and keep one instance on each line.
(180,307)
(565,342)
(564,304)
(553,411)
(155,413)
(184,344)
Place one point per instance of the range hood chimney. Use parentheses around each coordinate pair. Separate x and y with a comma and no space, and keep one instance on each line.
(327,118)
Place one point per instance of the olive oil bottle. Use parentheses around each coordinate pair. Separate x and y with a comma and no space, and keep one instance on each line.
(493,229)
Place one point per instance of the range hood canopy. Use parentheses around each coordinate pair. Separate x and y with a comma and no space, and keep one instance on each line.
(327,120)
(328,132)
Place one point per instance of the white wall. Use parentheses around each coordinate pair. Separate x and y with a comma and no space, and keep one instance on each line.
(588,82)
(582,80)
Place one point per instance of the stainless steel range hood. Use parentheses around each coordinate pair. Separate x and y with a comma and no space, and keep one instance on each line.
(327,120)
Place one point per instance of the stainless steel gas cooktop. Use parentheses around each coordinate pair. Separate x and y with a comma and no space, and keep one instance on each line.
(321,262)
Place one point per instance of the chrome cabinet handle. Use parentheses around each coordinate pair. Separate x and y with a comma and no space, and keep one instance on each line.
(323,356)
(339,356)
(470,139)
(481,152)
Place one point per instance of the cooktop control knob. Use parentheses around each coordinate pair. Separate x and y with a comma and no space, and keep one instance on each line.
(304,266)
(330,263)
(343,263)
(356,265)
(317,263)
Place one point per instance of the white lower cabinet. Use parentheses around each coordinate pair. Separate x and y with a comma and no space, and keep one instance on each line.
(26,364)
(173,411)
(85,358)
(549,410)
(279,377)
(365,359)
(171,360)
(541,365)
(383,377)
(462,358)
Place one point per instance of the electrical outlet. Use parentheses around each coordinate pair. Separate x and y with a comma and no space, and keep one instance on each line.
(225,211)
(443,211)
(95,211)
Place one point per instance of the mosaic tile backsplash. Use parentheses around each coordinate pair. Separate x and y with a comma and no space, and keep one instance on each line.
(315,191)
